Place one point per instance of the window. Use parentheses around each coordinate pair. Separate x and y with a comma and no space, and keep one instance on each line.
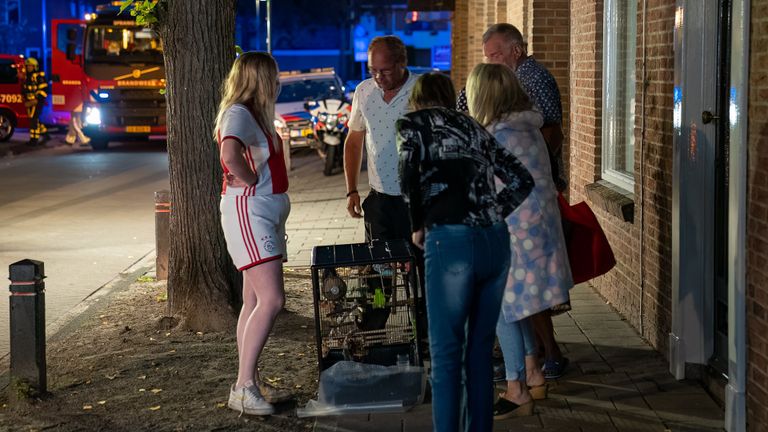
(10,13)
(8,72)
(310,90)
(619,53)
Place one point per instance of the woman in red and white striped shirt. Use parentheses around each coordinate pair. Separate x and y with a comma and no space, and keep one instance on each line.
(254,208)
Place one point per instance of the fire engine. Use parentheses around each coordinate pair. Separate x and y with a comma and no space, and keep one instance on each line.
(111,70)
(13,113)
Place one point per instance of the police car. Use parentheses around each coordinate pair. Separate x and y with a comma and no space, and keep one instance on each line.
(292,120)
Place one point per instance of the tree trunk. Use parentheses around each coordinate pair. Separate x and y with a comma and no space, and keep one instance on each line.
(199,44)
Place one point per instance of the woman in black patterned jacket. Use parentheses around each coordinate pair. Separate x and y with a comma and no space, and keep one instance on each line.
(448,169)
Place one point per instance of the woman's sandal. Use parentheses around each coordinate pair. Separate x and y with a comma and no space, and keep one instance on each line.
(539,392)
(505,408)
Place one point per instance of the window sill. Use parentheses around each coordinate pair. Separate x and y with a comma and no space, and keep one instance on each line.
(612,199)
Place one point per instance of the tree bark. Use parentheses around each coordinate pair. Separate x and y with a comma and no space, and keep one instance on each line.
(198,38)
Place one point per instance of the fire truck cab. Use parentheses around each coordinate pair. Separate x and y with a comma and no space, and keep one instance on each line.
(13,113)
(110,70)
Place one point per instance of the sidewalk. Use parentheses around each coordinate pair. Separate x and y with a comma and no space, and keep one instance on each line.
(615,382)
(319,209)
(134,373)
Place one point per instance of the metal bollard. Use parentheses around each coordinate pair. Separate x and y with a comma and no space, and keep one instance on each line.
(28,369)
(162,232)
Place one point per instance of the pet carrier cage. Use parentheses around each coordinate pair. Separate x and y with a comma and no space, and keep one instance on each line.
(366,301)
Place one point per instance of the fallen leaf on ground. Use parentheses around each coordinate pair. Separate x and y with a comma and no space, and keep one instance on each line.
(280,354)
(102,402)
(154,408)
(87,407)
(298,385)
(221,405)
(156,391)
(142,390)
(199,333)
(142,377)
(111,377)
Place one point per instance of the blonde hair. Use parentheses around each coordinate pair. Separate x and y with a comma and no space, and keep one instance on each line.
(493,91)
(251,82)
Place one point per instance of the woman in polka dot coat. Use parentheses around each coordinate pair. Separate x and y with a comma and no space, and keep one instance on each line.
(539,276)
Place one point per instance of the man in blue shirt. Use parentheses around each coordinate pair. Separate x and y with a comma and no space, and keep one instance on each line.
(503,43)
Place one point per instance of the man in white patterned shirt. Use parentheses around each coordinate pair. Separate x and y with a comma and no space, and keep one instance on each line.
(377,105)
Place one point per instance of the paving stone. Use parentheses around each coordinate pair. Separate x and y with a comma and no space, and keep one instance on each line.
(593,322)
(686,409)
(600,367)
(606,332)
(418,419)
(565,389)
(518,423)
(578,417)
(567,330)
(574,338)
(633,422)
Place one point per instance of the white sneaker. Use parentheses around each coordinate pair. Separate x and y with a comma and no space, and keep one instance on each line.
(249,400)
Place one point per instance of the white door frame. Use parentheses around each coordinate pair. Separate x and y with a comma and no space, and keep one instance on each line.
(735,391)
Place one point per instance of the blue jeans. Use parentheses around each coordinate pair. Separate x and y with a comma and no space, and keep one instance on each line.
(516,340)
(466,270)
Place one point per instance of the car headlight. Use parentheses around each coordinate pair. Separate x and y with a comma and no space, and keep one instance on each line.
(92,116)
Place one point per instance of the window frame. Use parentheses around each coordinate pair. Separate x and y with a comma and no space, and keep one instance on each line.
(618,28)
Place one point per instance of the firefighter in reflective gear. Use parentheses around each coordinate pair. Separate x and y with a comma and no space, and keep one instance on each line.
(35,91)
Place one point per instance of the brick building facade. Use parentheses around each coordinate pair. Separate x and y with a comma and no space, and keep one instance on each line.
(569,38)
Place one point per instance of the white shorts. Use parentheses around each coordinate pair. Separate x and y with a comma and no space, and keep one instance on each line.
(254,228)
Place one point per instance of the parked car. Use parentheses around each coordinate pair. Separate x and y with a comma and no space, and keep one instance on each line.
(13,113)
(292,119)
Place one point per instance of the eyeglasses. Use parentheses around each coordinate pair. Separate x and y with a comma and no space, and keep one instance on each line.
(382,72)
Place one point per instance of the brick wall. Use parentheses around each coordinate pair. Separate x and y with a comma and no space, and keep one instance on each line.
(648,239)
(470,19)
(549,41)
(757,222)
(544,23)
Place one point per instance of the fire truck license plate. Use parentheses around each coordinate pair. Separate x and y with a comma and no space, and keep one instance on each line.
(137,129)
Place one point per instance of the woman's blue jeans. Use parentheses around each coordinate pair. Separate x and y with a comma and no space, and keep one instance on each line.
(466,271)
(516,340)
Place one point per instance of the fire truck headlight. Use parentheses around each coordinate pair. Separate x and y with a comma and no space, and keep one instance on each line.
(92,116)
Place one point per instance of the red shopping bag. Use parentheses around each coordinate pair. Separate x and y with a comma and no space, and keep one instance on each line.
(589,252)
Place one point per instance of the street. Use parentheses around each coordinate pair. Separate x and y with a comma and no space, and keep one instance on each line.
(86,215)
(90,215)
